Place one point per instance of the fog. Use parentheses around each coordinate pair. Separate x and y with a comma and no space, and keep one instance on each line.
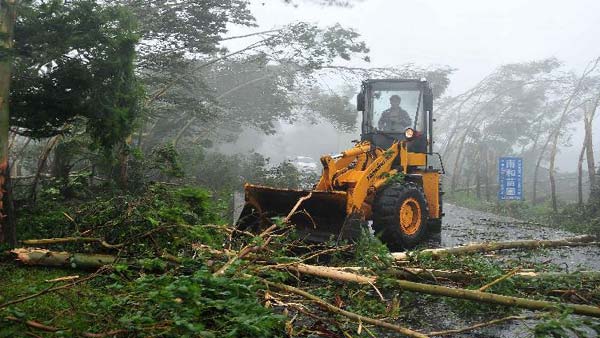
(475,37)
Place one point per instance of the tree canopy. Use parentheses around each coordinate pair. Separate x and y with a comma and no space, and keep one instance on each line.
(75,60)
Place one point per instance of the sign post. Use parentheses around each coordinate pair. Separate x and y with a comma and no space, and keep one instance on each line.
(510,178)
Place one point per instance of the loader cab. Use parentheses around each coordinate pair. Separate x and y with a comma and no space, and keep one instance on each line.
(384,121)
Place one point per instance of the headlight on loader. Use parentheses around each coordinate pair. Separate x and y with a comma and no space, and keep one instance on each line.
(409,133)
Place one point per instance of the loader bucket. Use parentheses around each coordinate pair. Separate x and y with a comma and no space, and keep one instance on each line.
(318,218)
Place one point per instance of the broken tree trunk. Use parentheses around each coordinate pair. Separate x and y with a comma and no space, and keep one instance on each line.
(62,259)
(493,246)
(42,257)
(62,240)
(331,273)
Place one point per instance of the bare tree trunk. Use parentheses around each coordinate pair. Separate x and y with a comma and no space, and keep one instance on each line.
(537,169)
(559,125)
(588,121)
(488,156)
(478,183)
(589,151)
(42,165)
(8,16)
(580,173)
(124,163)
(457,163)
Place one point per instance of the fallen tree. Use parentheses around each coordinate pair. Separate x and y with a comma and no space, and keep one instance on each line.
(63,240)
(473,295)
(63,259)
(410,273)
(256,258)
(495,246)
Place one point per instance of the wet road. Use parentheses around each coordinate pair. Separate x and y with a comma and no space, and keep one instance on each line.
(463,226)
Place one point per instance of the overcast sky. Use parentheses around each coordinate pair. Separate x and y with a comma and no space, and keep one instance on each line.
(473,36)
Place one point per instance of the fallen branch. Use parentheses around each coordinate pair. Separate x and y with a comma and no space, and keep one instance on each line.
(494,246)
(51,289)
(105,334)
(479,325)
(49,241)
(351,315)
(247,250)
(416,274)
(39,326)
(587,275)
(33,324)
(498,280)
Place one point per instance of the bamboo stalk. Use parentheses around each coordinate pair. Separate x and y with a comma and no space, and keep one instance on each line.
(475,295)
(494,246)
(485,297)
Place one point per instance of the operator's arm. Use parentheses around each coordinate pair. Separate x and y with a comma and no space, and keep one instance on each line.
(405,119)
(381,125)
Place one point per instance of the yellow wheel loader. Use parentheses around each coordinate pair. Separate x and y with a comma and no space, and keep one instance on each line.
(388,179)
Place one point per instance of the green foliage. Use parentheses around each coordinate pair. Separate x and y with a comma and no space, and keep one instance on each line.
(75,59)
(196,305)
(162,164)
(371,253)
(563,325)
(399,177)
(166,305)
(333,107)
(158,219)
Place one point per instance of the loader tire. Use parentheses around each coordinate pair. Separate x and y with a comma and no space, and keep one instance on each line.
(400,216)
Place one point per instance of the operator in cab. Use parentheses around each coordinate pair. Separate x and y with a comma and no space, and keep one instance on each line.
(394,119)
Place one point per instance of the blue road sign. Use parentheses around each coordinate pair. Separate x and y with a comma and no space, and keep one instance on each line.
(510,178)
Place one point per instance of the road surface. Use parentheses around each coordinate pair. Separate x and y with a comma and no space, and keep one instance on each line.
(463,226)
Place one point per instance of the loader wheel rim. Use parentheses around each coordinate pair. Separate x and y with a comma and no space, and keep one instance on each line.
(410,216)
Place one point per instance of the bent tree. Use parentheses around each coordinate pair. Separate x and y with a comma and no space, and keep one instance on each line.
(8,16)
